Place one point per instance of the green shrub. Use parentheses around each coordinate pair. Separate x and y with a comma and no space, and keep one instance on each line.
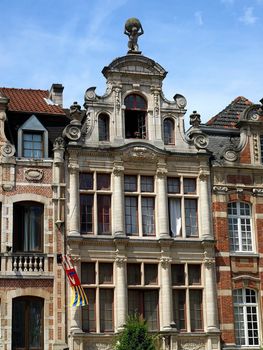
(135,336)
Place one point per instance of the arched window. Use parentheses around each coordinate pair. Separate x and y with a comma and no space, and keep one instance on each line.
(104,130)
(135,117)
(246,317)
(28,227)
(27,323)
(239,227)
(168,131)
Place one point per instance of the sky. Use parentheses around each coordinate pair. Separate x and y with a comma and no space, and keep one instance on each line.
(211,49)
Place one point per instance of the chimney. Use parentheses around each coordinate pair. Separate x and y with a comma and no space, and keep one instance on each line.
(56,94)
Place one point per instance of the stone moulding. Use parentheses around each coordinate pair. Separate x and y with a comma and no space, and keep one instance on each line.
(33,174)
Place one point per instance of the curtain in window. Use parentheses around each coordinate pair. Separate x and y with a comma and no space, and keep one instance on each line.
(175,216)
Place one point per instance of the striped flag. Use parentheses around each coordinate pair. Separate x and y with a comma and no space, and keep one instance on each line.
(79,297)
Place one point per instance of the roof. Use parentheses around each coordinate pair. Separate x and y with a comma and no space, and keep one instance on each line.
(229,116)
(29,100)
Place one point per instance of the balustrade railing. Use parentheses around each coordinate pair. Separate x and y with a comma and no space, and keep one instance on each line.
(28,263)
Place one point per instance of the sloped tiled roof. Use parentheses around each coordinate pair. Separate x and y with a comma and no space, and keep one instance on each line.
(29,100)
(229,116)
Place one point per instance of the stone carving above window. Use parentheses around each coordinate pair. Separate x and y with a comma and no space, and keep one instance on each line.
(34,174)
(140,154)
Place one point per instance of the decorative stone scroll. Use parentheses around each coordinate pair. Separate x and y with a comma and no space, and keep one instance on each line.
(165,262)
(8,150)
(220,189)
(72,132)
(118,170)
(201,141)
(161,173)
(230,155)
(258,192)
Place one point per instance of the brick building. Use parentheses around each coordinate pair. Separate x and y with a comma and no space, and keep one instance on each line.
(235,140)
(32,291)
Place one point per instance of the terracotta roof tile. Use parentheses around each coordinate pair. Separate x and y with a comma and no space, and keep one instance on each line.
(29,100)
(229,116)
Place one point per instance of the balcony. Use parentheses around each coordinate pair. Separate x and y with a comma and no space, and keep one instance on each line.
(18,264)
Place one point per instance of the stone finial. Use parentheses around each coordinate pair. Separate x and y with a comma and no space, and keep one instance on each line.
(195,119)
(133,29)
(75,112)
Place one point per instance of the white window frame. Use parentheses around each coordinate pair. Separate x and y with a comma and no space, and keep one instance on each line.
(242,309)
(180,217)
(140,195)
(240,227)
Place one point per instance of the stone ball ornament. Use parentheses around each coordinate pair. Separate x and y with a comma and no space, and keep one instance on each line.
(131,23)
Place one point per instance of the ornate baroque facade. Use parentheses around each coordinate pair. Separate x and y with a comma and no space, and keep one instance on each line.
(122,189)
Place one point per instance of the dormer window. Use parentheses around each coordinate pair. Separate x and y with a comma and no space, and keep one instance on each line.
(32,145)
(32,139)
(135,117)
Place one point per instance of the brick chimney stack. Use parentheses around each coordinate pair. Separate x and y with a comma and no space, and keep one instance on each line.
(56,94)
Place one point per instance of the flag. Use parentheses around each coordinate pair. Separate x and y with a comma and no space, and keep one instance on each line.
(79,297)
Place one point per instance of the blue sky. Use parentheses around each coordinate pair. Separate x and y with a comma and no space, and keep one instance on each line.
(212,49)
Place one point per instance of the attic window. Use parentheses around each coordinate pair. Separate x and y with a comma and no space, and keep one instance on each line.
(135,117)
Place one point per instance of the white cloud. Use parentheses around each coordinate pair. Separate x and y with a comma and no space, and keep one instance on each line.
(199,18)
(248,16)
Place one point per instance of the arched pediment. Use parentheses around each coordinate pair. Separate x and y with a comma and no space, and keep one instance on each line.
(135,64)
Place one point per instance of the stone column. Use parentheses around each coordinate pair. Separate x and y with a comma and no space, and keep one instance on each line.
(118,201)
(205,207)
(121,292)
(166,293)
(210,289)
(73,220)
(162,205)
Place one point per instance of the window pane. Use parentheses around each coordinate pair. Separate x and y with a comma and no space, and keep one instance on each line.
(86,213)
(103,182)
(135,302)
(28,227)
(135,102)
(147,184)
(175,217)
(151,309)
(105,273)
(168,131)
(239,226)
(189,186)
(194,274)
(88,273)
(104,214)
(178,274)
(173,185)
(103,123)
(130,183)
(33,145)
(86,181)
(18,323)
(179,308)
(131,223)
(150,274)
(88,311)
(134,274)
(106,310)
(196,310)
(190,206)
(148,227)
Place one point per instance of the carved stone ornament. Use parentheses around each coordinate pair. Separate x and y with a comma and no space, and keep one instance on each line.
(34,174)
(161,173)
(220,189)
(258,192)
(75,113)
(203,175)
(230,155)
(118,170)
(140,154)
(59,143)
(72,132)
(195,119)
(120,260)
(253,115)
(180,100)
(8,150)
(201,141)
(165,262)
(90,94)
(191,345)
